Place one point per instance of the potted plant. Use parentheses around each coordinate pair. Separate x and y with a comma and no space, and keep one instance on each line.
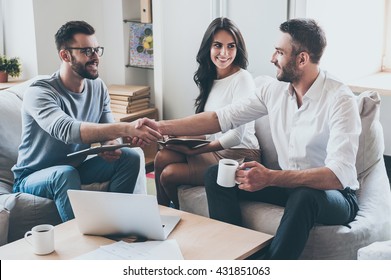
(9,66)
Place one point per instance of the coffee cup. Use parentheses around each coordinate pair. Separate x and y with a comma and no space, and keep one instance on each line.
(41,238)
(226,172)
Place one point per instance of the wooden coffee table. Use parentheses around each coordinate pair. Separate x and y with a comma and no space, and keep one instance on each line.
(199,238)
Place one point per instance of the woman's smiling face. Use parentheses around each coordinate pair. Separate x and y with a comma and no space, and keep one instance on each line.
(223,52)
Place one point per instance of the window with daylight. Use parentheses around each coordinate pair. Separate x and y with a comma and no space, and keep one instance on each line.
(358,35)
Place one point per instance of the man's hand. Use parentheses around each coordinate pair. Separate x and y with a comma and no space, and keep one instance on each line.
(111,156)
(143,134)
(148,122)
(252,176)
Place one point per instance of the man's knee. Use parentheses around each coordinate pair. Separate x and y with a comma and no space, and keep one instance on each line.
(304,198)
(63,178)
(211,176)
(65,173)
(306,194)
(131,156)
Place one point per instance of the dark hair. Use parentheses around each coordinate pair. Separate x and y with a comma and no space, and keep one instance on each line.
(307,36)
(206,72)
(64,36)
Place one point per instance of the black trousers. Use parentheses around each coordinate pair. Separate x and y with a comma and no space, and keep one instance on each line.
(303,208)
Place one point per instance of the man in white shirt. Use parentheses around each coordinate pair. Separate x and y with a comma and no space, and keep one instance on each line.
(315,126)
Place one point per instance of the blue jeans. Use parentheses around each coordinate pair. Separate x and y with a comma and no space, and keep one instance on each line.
(303,208)
(53,182)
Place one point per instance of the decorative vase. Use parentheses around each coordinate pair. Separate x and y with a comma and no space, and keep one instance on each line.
(3,77)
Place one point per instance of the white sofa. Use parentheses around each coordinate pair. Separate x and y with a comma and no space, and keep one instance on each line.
(19,212)
(373,221)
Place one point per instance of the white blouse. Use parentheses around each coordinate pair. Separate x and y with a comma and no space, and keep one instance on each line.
(231,90)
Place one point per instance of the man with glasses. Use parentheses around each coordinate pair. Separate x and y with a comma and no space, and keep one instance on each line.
(67,112)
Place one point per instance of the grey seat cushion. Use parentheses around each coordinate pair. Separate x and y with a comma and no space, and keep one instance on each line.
(4,221)
(11,127)
(27,211)
(10,131)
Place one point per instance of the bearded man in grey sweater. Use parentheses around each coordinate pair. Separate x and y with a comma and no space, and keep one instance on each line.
(66,113)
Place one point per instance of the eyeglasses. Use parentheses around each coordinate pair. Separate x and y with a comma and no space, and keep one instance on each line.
(89,51)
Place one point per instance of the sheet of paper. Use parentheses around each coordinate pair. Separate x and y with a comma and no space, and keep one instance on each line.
(149,250)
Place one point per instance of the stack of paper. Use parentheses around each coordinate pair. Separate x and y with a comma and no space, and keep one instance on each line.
(149,250)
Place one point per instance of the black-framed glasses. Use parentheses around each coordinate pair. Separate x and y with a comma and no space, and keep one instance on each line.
(89,51)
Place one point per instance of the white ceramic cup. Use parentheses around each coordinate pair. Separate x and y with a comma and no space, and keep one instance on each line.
(226,172)
(41,238)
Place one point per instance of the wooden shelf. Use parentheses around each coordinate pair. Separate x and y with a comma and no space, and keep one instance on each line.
(139,67)
(10,83)
(149,113)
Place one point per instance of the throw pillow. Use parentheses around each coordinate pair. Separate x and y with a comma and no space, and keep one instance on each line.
(371,142)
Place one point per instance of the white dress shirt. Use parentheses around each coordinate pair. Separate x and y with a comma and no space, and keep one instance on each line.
(324,131)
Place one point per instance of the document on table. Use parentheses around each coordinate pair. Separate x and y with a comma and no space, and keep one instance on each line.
(149,250)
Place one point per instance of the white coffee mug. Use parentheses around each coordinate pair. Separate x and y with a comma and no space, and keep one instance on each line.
(41,238)
(226,172)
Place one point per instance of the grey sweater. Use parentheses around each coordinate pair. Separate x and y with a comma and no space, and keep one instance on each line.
(51,119)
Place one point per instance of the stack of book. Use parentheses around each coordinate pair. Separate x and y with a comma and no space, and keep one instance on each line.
(127,99)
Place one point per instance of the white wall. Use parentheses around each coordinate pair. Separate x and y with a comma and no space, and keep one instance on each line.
(259,22)
(31,25)
(179,28)
(352,27)
(48,20)
(19,34)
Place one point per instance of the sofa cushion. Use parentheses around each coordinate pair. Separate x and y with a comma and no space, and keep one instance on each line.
(4,221)
(193,199)
(11,127)
(269,156)
(262,132)
(371,142)
(27,211)
(20,89)
(5,188)
(10,131)
(261,216)
(375,251)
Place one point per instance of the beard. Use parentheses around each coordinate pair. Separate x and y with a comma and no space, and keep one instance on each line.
(289,73)
(83,71)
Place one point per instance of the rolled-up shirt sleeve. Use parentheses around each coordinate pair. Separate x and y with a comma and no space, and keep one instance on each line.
(345,129)
(232,137)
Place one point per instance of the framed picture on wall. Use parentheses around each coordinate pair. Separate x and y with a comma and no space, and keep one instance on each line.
(141,45)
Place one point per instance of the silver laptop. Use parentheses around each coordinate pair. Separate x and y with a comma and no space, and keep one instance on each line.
(108,213)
